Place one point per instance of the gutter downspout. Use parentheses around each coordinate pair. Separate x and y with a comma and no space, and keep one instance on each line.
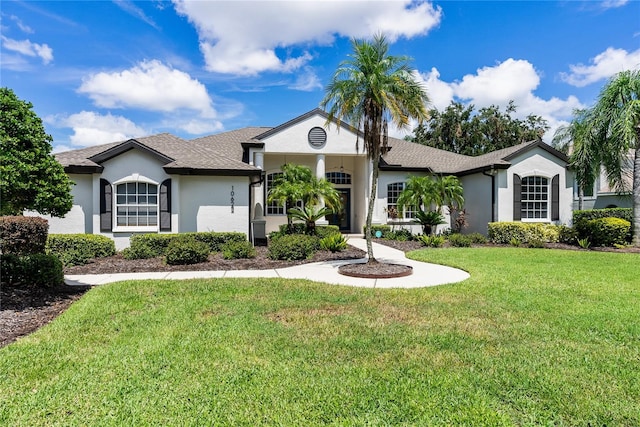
(492,173)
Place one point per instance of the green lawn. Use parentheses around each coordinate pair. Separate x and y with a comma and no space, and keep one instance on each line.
(534,337)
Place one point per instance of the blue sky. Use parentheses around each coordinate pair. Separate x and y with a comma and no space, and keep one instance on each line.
(103,71)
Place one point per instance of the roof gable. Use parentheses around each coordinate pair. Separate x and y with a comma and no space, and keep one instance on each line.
(304,117)
(131,144)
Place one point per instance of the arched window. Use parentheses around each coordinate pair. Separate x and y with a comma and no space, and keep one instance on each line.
(136,204)
(534,200)
(393,191)
(338,178)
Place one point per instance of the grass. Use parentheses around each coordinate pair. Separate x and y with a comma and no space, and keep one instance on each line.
(535,337)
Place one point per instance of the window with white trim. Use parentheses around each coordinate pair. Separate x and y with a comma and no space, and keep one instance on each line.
(393,192)
(534,197)
(272,208)
(136,204)
(338,178)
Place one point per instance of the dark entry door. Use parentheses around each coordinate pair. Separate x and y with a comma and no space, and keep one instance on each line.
(343,218)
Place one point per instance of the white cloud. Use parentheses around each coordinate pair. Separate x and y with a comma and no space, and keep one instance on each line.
(511,80)
(603,66)
(133,10)
(150,85)
(25,28)
(612,4)
(242,38)
(198,127)
(307,81)
(28,48)
(90,128)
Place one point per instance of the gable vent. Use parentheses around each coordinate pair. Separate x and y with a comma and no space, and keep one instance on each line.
(317,137)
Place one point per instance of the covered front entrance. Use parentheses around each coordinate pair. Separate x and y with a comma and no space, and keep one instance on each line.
(343,218)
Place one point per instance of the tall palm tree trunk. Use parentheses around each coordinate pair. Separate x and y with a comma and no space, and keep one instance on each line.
(372,198)
(635,233)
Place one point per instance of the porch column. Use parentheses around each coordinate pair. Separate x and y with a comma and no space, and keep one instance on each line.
(320,173)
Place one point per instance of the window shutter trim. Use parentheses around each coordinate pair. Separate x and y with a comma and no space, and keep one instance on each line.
(106,205)
(517,197)
(165,205)
(555,198)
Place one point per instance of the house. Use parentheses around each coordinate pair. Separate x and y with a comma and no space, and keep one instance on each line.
(162,183)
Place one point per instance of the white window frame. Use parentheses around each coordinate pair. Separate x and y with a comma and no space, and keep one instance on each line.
(535,194)
(408,213)
(135,180)
(273,208)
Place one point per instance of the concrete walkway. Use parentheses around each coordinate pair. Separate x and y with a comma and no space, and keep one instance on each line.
(424,274)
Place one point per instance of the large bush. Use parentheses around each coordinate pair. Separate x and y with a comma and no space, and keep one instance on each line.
(608,231)
(293,247)
(38,270)
(524,232)
(78,249)
(300,228)
(581,218)
(23,235)
(238,250)
(186,250)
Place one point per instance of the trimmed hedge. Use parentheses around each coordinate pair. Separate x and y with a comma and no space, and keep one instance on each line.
(608,231)
(153,245)
(238,250)
(460,240)
(23,235)
(581,218)
(78,249)
(40,270)
(524,232)
(293,247)
(186,250)
(300,228)
(382,228)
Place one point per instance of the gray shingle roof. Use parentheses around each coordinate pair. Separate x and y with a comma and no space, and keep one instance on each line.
(179,155)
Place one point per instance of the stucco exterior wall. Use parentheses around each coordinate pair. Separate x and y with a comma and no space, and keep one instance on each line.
(477,202)
(539,163)
(206,204)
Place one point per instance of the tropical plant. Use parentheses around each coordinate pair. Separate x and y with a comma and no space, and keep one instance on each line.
(31,176)
(613,136)
(309,214)
(370,90)
(297,182)
(429,220)
(333,243)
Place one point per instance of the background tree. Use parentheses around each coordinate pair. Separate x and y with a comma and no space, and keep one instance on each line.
(369,90)
(31,177)
(613,136)
(461,130)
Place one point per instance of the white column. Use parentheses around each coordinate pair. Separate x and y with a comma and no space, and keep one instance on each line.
(320,173)
(96,204)
(175,203)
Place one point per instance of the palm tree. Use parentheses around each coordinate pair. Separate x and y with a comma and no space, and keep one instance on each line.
(369,90)
(572,140)
(614,132)
(298,182)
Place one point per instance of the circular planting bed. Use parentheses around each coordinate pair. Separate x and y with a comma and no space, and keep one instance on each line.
(378,270)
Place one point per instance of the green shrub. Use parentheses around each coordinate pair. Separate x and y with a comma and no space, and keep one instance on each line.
(584,243)
(401,235)
(608,231)
(515,242)
(216,240)
(143,246)
(40,270)
(78,249)
(504,232)
(382,228)
(581,218)
(567,235)
(460,240)
(333,243)
(536,243)
(238,250)
(478,238)
(186,250)
(293,247)
(23,235)
(323,231)
(431,241)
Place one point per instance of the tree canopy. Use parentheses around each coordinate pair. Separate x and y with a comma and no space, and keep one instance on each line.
(32,179)
(370,90)
(462,130)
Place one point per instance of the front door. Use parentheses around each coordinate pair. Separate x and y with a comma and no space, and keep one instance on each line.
(343,218)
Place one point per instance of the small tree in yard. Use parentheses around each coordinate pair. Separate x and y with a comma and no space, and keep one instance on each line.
(31,177)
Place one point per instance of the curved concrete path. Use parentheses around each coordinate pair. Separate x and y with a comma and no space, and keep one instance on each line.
(424,274)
